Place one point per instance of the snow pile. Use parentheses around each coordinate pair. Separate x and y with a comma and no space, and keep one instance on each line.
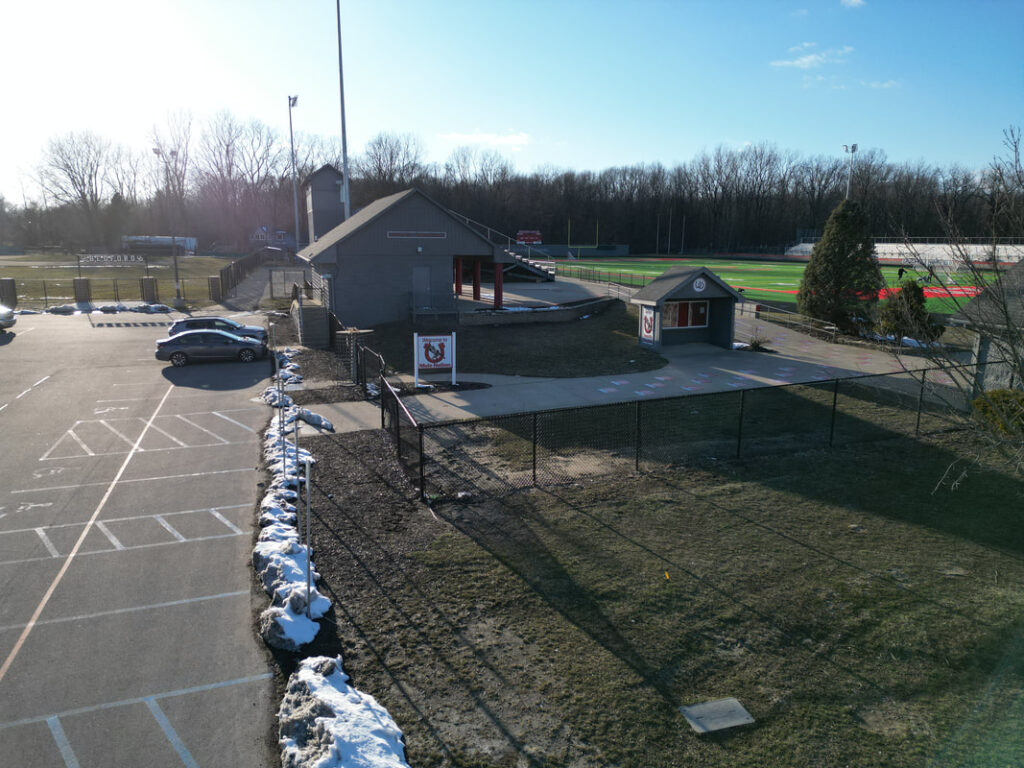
(327,723)
(279,558)
(288,370)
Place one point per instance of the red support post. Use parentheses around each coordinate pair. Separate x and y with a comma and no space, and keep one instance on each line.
(499,281)
(458,277)
(476,280)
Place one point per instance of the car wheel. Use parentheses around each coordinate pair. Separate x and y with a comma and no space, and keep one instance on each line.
(178,359)
(246,355)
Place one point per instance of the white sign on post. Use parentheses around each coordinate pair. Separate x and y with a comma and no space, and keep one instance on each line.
(647,323)
(434,352)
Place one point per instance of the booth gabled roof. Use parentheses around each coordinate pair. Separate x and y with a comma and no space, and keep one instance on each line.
(369,213)
(671,280)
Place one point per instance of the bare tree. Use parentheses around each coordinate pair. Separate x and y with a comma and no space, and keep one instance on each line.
(988,398)
(74,172)
(391,160)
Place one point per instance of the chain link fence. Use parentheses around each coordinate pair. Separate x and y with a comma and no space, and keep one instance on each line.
(506,453)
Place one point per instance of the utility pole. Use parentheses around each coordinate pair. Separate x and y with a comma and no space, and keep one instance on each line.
(850,150)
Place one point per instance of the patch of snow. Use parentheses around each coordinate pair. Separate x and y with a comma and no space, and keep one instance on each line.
(325,722)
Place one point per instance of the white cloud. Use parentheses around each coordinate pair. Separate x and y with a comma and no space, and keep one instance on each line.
(799,12)
(511,141)
(852,3)
(802,47)
(881,84)
(815,60)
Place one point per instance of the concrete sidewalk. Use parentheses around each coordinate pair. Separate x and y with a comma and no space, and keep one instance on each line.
(691,370)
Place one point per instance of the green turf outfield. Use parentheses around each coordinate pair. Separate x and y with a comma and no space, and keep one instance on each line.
(759,280)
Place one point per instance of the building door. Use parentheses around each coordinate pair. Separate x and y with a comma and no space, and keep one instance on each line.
(421,286)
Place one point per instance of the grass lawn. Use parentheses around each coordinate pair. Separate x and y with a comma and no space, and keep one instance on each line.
(534,349)
(765,281)
(860,618)
(48,277)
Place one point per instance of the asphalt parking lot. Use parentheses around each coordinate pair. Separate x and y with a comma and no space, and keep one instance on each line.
(127,490)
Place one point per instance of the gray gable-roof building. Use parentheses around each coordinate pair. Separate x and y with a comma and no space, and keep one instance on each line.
(398,256)
(685,305)
(996,315)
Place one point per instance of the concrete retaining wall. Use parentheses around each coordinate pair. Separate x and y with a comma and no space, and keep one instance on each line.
(555,314)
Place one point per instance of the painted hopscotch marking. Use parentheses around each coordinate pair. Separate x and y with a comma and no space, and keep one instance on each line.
(75,443)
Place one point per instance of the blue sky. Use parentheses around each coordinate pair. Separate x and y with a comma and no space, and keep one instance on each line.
(563,83)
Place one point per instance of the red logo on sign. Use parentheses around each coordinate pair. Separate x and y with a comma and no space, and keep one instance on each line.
(433,354)
(648,323)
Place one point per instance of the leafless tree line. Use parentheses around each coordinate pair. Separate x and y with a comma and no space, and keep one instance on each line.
(222,181)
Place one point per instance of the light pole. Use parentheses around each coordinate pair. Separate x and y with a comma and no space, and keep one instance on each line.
(172,155)
(292,101)
(344,140)
(849,149)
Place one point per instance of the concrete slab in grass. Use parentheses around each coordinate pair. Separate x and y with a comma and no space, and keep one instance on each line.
(717,715)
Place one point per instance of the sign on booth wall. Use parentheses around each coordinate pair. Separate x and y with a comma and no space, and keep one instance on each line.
(647,323)
(434,352)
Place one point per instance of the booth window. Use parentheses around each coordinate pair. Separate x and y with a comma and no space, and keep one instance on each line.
(684,314)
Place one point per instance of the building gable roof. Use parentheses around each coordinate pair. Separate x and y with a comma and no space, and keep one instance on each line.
(669,283)
(326,168)
(375,210)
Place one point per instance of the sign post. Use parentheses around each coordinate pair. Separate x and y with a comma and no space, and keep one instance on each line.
(432,353)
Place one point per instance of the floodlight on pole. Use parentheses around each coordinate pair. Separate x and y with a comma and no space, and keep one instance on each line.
(344,140)
(292,101)
(166,159)
(849,149)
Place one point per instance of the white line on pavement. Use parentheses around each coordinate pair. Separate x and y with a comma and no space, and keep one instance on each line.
(226,418)
(171,734)
(47,543)
(78,545)
(111,537)
(133,480)
(128,549)
(109,520)
(228,523)
(138,700)
(40,381)
(70,761)
(116,611)
(168,527)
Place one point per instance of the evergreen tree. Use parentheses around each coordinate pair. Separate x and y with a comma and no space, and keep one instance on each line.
(905,315)
(842,279)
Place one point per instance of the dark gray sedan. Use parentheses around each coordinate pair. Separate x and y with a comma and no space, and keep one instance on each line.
(218,324)
(196,346)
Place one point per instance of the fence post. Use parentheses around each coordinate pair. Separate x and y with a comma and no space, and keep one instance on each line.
(835,400)
(534,449)
(920,402)
(739,425)
(46,299)
(639,435)
(423,479)
(117,299)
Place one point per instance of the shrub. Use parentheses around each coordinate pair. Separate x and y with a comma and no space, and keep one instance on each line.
(906,315)
(1002,409)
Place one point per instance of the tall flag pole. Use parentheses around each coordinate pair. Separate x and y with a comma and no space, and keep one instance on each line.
(344,139)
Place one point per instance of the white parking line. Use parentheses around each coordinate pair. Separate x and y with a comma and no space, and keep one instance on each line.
(128,440)
(136,609)
(227,418)
(106,532)
(211,537)
(167,526)
(133,480)
(62,742)
(3,406)
(172,438)
(40,381)
(202,429)
(110,520)
(78,545)
(231,526)
(138,700)
(47,543)
(171,734)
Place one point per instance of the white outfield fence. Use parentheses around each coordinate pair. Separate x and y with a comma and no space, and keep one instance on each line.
(937,254)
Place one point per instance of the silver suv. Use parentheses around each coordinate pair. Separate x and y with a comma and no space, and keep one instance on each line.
(218,324)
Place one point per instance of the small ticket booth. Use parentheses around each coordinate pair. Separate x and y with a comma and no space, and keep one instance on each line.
(686,305)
